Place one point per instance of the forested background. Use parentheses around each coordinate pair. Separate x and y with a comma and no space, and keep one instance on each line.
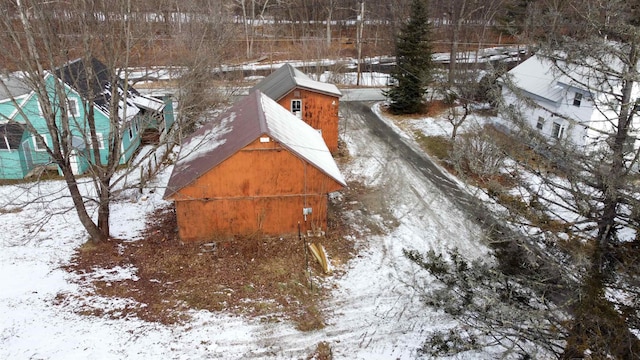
(165,31)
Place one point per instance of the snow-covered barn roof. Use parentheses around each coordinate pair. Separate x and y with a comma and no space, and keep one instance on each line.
(250,118)
(280,82)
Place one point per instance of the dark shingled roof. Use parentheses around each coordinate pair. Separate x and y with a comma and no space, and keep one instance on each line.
(92,81)
(282,81)
(243,123)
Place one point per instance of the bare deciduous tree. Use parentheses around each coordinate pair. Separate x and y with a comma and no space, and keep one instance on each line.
(252,15)
(578,204)
(595,195)
(40,38)
(44,39)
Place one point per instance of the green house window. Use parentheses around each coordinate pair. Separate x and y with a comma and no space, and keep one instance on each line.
(10,136)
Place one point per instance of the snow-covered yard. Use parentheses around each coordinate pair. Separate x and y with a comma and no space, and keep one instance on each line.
(374,312)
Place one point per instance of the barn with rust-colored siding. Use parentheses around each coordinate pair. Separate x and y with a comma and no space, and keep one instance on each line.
(314,102)
(252,170)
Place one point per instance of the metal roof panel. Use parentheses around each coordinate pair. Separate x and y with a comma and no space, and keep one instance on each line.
(244,122)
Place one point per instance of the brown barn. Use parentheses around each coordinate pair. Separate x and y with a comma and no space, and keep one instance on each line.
(255,169)
(315,102)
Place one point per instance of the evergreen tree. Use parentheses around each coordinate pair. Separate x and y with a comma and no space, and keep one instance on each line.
(413,62)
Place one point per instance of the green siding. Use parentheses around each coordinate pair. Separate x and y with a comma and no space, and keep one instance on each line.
(169,118)
(12,164)
(17,163)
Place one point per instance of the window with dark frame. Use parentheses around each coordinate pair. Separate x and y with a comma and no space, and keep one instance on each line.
(540,124)
(10,136)
(40,142)
(558,130)
(99,141)
(577,99)
(296,106)
(72,107)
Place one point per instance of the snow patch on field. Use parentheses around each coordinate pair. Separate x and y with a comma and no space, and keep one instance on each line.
(374,312)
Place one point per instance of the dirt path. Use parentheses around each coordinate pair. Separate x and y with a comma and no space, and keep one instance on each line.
(375,311)
(416,159)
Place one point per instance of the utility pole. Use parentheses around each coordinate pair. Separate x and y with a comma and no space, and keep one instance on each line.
(360,26)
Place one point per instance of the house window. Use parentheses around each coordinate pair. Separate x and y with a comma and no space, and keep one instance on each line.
(99,140)
(40,142)
(296,106)
(130,132)
(10,136)
(540,123)
(72,107)
(558,131)
(577,99)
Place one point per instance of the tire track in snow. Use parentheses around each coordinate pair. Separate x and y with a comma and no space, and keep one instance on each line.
(376,312)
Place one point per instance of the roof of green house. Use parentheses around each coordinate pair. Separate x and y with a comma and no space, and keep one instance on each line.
(11,86)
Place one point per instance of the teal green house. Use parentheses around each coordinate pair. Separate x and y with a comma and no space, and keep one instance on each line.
(23,154)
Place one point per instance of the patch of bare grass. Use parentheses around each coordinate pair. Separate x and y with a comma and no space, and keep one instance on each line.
(259,277)
(433,108)
(323,352)
(11,210)
(439,147)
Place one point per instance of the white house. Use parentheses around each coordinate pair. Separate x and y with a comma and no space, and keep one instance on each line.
(578,103)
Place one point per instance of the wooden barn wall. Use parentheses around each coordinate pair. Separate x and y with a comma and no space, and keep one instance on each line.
(201,220)
(318,110)
(262,187)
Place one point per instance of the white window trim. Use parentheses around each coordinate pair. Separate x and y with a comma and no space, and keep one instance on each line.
(577,97)
(298,101)
(540,123)
(100,139)
(299,112)
(36,147)
(560,133)
(72,103)
(5,141)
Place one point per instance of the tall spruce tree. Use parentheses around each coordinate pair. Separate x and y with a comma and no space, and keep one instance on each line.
(413,62)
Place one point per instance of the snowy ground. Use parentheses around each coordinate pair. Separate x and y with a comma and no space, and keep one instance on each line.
(374,313)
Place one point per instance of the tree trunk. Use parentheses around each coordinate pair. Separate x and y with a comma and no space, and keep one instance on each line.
(95,234)
(595,319)
(328,28)
(104,210)
(453,54)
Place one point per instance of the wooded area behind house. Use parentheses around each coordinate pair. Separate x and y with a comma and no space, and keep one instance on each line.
(165,31)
